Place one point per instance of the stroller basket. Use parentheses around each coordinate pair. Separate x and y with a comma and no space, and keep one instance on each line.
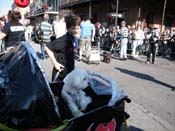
(106,109)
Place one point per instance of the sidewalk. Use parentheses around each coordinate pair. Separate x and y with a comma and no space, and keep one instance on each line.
(140,119)
(143,120)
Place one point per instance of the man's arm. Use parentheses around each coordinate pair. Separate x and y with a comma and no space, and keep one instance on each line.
(93,32)
(57,65)
(2,35)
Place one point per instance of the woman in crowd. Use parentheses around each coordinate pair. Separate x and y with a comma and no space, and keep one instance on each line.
(13,31)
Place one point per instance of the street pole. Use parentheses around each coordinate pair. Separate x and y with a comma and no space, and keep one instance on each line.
(116,18)
(58,4)
(90,10)
(163,14)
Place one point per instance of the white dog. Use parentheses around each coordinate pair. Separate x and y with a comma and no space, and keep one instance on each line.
(73,93)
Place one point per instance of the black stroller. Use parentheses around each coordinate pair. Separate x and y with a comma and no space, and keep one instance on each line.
(29,103)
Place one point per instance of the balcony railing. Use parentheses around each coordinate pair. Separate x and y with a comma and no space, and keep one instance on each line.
(37,10)
(66,2)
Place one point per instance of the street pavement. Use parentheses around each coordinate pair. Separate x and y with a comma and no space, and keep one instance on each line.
(148,85)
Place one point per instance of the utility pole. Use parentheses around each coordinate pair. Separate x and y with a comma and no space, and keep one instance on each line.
(116,18)
(58,4)
(90,10)
(163,14)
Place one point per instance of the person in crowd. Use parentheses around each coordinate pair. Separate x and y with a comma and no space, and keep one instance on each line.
(116,42)
(97,33)
(153,37)
(61,50)
(137,40)
(172,43)
(86,36)
(2,43)
(13,31)
(130,40)
(28,32)
(46,33)
(165,37)
(146,31)
(9,16)
(124,41)
(60,26)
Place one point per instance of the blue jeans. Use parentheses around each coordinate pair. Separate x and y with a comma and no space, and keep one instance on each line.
(123,48)
(43,55)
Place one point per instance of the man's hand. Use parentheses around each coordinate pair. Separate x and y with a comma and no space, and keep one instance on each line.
(92,39)
(59,67)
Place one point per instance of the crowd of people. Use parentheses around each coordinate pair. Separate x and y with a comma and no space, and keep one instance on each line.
(123,39)
(135,40)
(69,35)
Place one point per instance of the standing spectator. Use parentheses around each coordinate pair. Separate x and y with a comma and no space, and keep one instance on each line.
(28,32)
(9,16)
(124,41)
(165,38)
(86,36)
(153,37)
(46,30)
(130,31)
(97,33)
(60,27)
(61,50)
(137,40)
(2,42)
(13,31)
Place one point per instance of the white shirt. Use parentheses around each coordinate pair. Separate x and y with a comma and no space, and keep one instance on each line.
(124,32)
(60,28)
(139,34)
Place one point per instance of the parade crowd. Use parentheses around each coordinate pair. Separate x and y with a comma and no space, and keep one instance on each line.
(124,40)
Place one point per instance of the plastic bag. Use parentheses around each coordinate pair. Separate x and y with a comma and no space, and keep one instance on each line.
(26,100)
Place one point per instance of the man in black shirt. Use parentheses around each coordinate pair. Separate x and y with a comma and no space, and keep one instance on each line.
(61,50)
(13,31)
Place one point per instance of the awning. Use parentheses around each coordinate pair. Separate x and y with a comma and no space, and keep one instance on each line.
(76,3)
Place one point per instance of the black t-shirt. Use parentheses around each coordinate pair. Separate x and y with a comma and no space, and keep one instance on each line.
(63,49)
(15,33)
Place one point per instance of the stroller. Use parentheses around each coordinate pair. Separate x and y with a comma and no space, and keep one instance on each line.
(29,103)
(94,56)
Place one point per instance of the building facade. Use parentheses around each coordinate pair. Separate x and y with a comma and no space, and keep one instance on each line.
(151,11)
(41,8)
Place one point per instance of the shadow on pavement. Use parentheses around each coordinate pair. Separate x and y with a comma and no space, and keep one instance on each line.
(145,77)
(132,128)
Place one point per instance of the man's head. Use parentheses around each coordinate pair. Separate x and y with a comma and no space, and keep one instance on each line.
(46,19)
(61,17)
(73,25)
(15,15)
(123,23)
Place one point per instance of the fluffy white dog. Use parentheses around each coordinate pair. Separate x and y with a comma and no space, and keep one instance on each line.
(73,93)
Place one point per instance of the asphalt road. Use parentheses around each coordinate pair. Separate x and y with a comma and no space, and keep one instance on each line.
(148,85)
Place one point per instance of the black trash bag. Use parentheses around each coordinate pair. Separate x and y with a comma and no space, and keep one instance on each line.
(26,100)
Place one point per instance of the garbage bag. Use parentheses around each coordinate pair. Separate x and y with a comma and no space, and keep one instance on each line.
(26,100)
